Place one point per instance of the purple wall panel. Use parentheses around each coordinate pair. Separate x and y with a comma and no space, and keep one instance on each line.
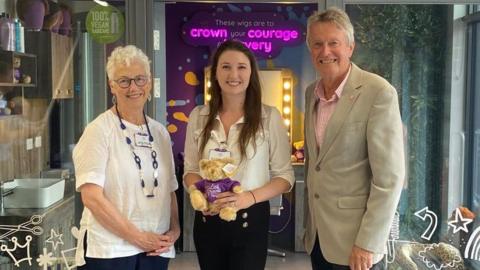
(185,63)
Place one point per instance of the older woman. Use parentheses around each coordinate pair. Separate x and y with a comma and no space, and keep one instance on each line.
(125,173)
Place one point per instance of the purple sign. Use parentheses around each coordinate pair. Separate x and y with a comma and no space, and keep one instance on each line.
(264,33)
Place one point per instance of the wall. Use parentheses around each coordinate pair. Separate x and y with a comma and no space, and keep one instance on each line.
(185,63)
(7,6)
(15,160)
(82,6)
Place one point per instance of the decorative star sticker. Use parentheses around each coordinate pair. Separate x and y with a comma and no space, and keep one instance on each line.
(45,259)
(459,223)
(55,239)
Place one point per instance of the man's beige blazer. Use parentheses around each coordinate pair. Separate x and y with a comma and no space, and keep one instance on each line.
(353,183)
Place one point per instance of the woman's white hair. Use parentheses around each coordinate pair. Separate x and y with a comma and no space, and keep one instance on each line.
(125,56)
(335,15)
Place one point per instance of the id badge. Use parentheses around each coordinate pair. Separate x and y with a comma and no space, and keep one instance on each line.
(141,140)
(218,153)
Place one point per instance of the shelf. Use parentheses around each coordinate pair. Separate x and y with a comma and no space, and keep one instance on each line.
(52,53)
(18,84)
(28,66)
(23,54)
(6,116)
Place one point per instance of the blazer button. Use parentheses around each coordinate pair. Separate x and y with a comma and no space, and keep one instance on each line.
(204,219)
(317,168)
(316,196)
(245,215)
(245,225)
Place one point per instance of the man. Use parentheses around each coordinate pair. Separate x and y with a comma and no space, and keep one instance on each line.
(354,146)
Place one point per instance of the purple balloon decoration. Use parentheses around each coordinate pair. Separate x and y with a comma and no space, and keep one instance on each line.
(33,13)
(66,26)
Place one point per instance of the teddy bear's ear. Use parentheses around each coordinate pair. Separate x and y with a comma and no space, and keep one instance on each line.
(204,164)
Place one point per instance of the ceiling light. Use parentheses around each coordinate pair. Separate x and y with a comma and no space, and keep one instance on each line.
(101,3)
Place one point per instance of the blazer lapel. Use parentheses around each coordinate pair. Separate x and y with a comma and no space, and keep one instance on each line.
(310,123)
(347,100)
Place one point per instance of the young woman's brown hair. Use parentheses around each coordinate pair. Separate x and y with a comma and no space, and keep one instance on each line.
(252,106)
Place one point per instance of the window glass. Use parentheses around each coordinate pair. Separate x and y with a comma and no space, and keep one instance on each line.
(472,157)
(476,121)
(51,85)
(410,46)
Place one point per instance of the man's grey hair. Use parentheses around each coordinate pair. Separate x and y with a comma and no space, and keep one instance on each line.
(335,15)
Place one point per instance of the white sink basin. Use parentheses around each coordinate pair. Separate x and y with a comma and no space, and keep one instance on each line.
(34,192)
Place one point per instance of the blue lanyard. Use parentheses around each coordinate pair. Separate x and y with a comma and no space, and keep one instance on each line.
(136,158)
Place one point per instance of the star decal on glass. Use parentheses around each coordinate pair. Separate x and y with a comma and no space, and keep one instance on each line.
(459,223)
(55,239)
(45,259)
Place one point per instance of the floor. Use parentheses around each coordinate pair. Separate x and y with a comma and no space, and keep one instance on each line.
(297,261)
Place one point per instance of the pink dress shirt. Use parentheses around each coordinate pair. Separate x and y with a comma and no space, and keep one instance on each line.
(325,108)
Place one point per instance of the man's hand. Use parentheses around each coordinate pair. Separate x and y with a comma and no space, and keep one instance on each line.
(361,259)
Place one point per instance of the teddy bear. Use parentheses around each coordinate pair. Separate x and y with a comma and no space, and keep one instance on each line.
(17,73)
(217,173)
(299,154)
(18,76)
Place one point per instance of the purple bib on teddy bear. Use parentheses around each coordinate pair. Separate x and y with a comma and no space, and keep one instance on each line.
(212,188)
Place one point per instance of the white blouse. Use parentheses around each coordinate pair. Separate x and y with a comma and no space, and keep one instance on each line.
(270,159)
(103,157)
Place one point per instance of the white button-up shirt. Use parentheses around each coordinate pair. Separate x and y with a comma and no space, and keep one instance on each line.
(270,158)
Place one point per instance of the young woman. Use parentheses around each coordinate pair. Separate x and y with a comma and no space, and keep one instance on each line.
(235,123)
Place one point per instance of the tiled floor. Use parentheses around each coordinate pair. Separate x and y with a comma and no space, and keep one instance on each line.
(296,261)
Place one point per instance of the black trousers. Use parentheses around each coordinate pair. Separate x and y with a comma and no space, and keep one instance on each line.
(135,262)
(236,245)
(320,263)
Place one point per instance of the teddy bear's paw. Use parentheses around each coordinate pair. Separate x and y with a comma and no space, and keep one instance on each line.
(214,207)
(228,214)
(197,200)
(199,205)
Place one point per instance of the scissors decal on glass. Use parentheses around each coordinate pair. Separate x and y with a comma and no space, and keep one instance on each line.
(29,226)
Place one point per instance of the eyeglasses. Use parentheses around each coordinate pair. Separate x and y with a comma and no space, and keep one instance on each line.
(124,82)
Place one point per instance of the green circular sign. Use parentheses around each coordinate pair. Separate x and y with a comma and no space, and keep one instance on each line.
(105,24)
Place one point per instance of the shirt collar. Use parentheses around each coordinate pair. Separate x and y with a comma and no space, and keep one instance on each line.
(320,91)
